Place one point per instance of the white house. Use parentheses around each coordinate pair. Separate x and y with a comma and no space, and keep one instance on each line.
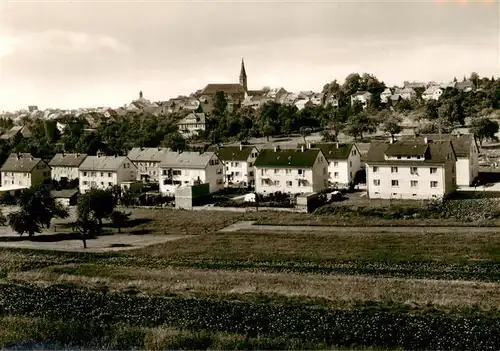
(385,95)
(65,166)
(192,124)
(362,96)
(147,160)
(466,151)
(105,171)
(344,161)
(410,169)
(291,171)
(190,168)
(432,92)
(238,164)
(23,170)
(407,93)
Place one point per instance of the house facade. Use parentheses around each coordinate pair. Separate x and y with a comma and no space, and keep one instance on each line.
(344,161)
(385,95)
(65,166)
(147,160)
(190,168)
(238,165)
(191,125)
(362,96)
(432,93)
(23,171)
(466,151)
(410,169)
(291,171)
(103,172)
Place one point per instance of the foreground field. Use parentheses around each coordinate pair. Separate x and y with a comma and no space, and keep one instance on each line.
(369,288)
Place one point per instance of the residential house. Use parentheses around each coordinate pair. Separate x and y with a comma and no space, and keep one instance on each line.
(317,99)
(290,171)
(432,93)
(410,169)
(465,86)
(234,92)
(362,96)
(190,168)
(191,125)
(450,85)
(415,85)
(407,93)
(16,131)
(147,160)
(385,95)
(66,197)
(344,161)
(65,166)
(238,164)
(332,100)
(23,171)
(276,94)
(466,151)
(303,103)
(103,172)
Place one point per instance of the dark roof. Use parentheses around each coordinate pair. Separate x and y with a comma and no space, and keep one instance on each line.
(436,153)
(64,194)
(461,143)
(11,132)
(287,158)
(103,163)
(212,89)
(256,92)
(67,160)
(149,154)
(233,153)
(464,85)
(21,164)
(333,151)
(406,148)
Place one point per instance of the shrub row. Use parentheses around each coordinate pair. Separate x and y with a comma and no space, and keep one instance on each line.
(362,326)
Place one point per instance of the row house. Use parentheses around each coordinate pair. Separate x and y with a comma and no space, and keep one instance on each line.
(238,165)
(291,171)
(190,168)
(23,171)
(65,166)
(103,172)
(192,125)
(344,161)
(147,160)
(410,169)
(466,151)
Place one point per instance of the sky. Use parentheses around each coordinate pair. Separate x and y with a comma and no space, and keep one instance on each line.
(70,54)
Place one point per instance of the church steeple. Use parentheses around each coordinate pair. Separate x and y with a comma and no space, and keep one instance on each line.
(243,76)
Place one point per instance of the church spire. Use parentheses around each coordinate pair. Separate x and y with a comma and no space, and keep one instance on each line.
(243,76)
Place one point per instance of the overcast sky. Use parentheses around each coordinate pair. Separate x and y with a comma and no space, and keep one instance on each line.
(87,53)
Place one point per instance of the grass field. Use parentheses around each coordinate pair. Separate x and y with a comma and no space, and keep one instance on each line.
(387,278)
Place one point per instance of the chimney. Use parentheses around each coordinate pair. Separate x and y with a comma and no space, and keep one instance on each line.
(241,146)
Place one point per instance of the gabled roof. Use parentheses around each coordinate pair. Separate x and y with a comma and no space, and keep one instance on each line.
(436,153)
(430,90)
(194,160)
(406,148)
(464,85)
(193,118)
(64,194)
(333,151)
(287,158)
(461,143)
(231,88)
(234,153)
(21,163)
(148,154)
(67,160)
(11,133)
(102,163)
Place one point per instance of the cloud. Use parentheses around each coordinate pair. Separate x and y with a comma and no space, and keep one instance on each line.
(59,42)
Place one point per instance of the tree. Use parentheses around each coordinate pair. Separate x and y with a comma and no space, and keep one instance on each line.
(359,124)
(101,203)
(37,209)
(85,223)
(484,128)
(474,78)
(392,126)
(175,142)
(220,104)
(119,219)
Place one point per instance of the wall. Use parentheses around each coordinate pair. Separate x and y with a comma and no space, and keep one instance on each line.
(282,176)
(150,168)
(64,172)
(97,179)
(342,169)
(464,176)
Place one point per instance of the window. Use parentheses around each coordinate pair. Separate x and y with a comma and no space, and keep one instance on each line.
(408,157)
(288,171)
(102,174)
(93,174)
(84,174)
(176,172)
(414,183)
(85,182)
(350,163)
(263,182)
(236,164)
(219,170)
(335,164)
(413,170)
(277,182)
(109,175)
(434,170)
(300,171)
(289,183)
(375,169)
(394,169)
(335,174)
(434,184)
(399,157)
(324,171)
(276,171)
(250,174)
(394,183)
(354,152)
(237,174)
(376,182)
(110,184)
(453,169)
(102,183)
(418,157)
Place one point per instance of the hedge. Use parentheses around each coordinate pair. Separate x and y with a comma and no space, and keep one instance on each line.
(374,326)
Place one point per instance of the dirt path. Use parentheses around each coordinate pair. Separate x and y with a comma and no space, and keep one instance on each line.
(250,226)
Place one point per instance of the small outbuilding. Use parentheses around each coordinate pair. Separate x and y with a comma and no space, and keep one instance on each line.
(67,197)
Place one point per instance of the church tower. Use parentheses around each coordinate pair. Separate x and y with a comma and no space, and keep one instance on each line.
(243,76)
